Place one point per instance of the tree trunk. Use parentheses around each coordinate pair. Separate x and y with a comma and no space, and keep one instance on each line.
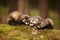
(26,7)
(43,8)
(12,5)
(21,6)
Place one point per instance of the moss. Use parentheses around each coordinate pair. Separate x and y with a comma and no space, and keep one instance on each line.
(23,32)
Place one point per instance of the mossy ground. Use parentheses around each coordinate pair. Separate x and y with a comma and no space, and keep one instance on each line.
(25,32)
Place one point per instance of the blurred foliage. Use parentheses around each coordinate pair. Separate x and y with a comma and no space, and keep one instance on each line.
(3,10)
(52,4)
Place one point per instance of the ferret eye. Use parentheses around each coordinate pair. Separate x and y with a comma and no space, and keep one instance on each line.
(23,18)
(30,23)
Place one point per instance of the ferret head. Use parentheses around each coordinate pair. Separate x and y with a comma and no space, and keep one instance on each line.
(25,19)
(35,20)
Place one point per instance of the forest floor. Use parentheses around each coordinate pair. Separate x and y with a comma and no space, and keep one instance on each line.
(23,32)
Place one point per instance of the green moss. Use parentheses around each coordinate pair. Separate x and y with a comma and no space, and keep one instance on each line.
(23,32)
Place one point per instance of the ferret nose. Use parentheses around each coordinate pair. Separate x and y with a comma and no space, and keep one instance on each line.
(31,24)
(26,23)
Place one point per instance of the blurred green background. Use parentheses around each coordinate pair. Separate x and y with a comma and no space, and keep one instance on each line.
(33,9)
